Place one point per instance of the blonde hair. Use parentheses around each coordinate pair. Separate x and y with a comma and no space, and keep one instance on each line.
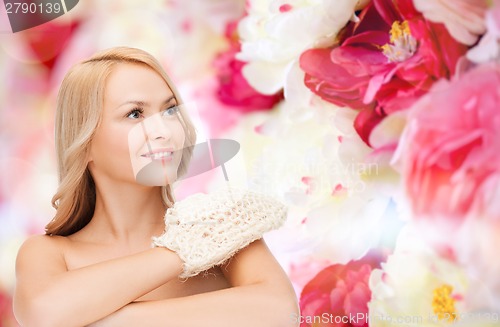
(79,110)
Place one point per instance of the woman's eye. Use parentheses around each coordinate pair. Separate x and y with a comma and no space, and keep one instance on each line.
(135,114)
(170,111)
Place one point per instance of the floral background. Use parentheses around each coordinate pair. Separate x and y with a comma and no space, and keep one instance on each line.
(377,122)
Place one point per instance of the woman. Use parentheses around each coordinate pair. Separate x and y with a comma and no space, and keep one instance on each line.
(95,265)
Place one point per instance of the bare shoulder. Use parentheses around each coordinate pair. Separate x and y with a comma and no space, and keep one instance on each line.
(43,244)
(42,252)
(39,260)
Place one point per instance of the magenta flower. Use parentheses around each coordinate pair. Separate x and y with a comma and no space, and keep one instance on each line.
(383,63)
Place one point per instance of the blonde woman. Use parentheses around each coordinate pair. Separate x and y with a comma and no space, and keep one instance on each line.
(95,265)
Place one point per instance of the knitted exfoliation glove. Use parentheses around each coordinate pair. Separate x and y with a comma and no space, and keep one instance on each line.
(206,230)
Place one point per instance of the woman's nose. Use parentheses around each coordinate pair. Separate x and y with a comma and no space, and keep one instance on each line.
(156,128)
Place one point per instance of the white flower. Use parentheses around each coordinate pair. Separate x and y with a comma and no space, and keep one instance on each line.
(476,246)
(276,32)
(489,45)
(417,287)
(464,19)
(320,166)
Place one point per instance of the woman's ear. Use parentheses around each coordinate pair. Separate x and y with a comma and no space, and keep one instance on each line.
(89,156)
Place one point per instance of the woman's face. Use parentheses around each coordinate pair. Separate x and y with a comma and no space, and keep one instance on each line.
(140,137)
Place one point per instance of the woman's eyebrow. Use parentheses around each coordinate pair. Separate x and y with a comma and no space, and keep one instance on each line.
(144,103)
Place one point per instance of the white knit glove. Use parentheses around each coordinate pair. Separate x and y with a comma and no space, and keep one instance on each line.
(205,230)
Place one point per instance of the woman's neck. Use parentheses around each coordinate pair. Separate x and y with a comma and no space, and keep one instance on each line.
(127,213)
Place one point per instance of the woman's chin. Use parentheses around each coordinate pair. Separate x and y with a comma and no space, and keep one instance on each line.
(156,173)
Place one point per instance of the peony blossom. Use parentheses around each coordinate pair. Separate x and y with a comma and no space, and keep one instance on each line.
(338,295)
(472,247)
(234,89)
(275,33)
(416,287)
(383,64)
(489,45)
(449,151)
(464,19)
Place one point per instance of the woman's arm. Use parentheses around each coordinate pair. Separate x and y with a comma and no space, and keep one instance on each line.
(261,296)
(47,294)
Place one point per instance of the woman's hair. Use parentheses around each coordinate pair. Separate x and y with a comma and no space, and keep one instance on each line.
(79,111)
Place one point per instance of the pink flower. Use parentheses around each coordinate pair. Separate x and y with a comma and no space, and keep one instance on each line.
(450,150)
(336,292)
(383,64)
(6,315)
(234,89)
(48,40)
(464,19)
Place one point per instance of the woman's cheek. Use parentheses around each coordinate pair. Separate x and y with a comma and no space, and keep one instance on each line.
(136,144)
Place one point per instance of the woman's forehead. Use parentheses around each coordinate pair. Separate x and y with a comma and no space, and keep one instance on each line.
(136,82)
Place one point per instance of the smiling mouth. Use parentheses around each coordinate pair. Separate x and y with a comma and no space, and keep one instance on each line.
(158,155)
